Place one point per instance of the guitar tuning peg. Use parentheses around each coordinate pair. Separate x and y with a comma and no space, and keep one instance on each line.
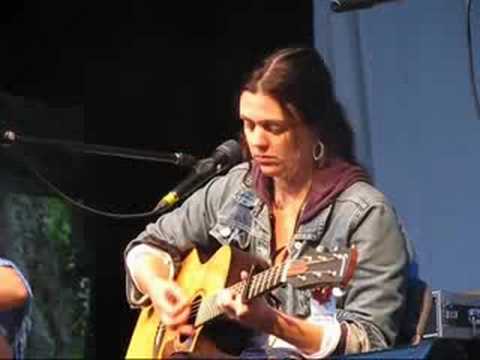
(338,292)
(336,248)
(321,249)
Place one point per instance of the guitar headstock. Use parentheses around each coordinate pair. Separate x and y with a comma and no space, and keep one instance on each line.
(319,268)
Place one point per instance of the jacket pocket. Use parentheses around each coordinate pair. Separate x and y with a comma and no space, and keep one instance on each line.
(229,234)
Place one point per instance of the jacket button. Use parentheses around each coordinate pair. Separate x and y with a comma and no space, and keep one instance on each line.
(225,231)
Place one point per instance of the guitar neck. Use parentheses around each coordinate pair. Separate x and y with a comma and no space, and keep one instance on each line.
(260,284)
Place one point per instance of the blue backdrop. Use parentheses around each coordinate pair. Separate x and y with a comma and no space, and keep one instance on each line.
(403,72)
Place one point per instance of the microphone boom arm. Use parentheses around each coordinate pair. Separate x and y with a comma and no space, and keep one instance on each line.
(177,158)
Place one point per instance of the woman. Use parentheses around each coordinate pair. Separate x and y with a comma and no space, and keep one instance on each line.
(300,188)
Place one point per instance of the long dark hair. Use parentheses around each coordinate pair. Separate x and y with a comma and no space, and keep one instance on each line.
(300,81)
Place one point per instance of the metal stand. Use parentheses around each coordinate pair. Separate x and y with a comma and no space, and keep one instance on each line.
(9,138)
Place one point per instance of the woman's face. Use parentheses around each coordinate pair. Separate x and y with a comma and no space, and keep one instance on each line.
(280,144)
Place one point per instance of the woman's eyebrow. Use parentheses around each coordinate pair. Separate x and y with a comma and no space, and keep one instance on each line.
(262,121)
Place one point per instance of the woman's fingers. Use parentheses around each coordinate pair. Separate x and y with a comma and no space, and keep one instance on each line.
(174,302)
(175,318)
(172,305)
(232,304)
(243,275)
(225,300)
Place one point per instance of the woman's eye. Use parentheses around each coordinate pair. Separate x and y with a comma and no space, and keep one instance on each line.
(275,129)
(248,125)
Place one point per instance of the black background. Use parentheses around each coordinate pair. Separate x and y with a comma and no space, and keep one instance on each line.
(149,75)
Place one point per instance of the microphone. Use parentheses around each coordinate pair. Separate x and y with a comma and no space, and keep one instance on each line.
(224,157)
(346,5)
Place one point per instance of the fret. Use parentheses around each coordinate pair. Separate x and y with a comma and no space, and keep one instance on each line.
(261,283)
(253,285)
(259,287)
(275,277)
(258,283)
(270,282)
(271,278)
(278,273)
(264,285)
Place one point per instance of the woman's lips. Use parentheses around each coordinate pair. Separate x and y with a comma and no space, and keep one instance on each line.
(266,160)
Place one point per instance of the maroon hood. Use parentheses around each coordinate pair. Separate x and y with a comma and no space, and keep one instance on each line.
(327,183)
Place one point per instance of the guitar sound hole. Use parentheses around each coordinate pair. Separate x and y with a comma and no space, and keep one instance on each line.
(184,338)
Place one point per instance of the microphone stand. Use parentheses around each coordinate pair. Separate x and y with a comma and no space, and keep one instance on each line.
(180,159)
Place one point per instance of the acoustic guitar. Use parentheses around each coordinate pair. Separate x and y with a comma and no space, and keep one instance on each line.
(215,336)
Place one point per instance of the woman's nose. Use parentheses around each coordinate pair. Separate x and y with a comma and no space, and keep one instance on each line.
(258,137)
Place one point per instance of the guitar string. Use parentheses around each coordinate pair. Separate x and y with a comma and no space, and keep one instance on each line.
(197,303)
(259,278)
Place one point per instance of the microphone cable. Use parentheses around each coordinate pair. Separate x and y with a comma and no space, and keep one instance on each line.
(158,210)
(119,216)
(471,57)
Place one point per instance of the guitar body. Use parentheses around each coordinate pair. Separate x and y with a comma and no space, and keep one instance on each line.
(219,338)
(214,335)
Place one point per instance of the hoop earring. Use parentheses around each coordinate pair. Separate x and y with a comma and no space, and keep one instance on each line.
(318,151)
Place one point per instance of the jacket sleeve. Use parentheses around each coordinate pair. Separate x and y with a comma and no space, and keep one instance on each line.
(375,303)
(180,230)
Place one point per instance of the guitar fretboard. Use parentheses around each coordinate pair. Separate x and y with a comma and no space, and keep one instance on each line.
(259,284)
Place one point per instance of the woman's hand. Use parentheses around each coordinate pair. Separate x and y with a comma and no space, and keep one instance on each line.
(257,313)
(171,304)
(153,273)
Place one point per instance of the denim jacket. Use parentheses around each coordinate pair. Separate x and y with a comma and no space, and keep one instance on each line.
(228,211)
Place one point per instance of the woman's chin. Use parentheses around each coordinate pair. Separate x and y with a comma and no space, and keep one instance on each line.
(271,170)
